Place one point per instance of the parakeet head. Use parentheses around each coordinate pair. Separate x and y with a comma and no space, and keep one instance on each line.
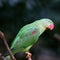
(48,23)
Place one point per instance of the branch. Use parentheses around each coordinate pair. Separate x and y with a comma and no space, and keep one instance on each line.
(57,36)
(6,45)
(29,58)
(1,56)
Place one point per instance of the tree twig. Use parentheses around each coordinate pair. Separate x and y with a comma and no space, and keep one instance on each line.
(29,58)
(1,56)
(6,45)
(57,36)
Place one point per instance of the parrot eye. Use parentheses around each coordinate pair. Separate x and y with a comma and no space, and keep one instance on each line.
(50,21)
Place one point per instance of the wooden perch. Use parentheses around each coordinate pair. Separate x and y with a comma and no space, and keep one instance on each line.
(29,58)
(57,36)
(1,56)
(6,45)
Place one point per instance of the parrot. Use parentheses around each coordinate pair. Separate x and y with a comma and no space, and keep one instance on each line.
(28,35)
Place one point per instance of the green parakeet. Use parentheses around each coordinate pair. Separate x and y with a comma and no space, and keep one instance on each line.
(29,34)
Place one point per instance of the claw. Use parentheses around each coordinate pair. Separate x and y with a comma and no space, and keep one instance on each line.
(28,55)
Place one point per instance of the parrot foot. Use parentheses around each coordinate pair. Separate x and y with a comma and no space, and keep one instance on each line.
(28,55)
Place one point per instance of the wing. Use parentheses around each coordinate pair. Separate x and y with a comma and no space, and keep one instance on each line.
(25,37)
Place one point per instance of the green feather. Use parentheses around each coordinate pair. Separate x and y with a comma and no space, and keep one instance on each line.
(25,38)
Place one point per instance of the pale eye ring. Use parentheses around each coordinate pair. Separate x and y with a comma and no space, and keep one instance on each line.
(50,21)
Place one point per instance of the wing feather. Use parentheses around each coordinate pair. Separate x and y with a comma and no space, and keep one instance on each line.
(25,38)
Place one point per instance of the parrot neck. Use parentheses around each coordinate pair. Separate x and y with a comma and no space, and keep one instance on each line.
(42,29)
(40,26)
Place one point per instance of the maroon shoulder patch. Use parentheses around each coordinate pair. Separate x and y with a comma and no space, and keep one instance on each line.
(34,32)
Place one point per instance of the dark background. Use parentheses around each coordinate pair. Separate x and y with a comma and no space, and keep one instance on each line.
(14,14)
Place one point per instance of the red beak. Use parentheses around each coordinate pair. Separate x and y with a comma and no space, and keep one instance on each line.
(51,26)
